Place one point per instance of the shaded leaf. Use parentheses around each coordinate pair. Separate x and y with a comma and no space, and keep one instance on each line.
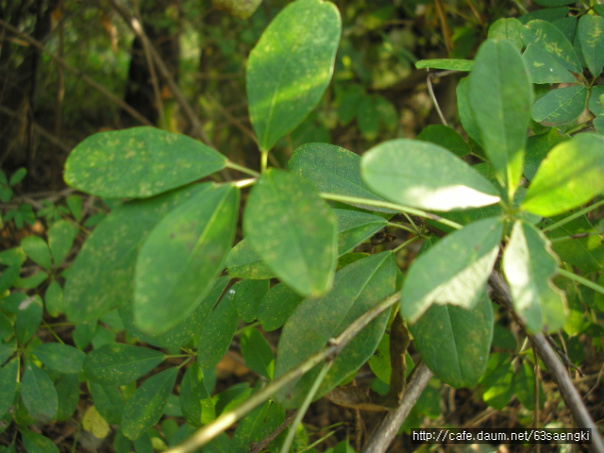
(39,394)
(108,401)
(547,36)
(243,262)
(257,353)
(424,175)
(37,443)
(560,106)
(145,408)
(290,67)
(356,226)
(453,271)
(587,253)
(139,162)
(60,357)
(544,68)
(238,8)
(36,248)
(258,425)
(53,299)
(276,306)
(248,295)
(181,258)
(590,33)
(446,137)
(68,393)
(293,230)
(8,385)
(61,235)
(568,177)
(29,318)
(195,402)
(510,29)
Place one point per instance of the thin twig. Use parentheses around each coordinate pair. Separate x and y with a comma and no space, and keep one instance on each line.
(79,73)
(434,100)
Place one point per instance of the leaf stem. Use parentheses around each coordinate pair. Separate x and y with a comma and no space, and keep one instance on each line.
(263,161)
(389,205)
(572,217)
(406,243)
(403,227)
(242,169)
(582,280)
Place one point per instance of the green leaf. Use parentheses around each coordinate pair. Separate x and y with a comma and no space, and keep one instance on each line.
(147,405)
(182,256)
(501,96)
(248,295)
(498,381)
(217,332)
(454,271)
(108,400)
(551,39)
(29,318)
(348,99)
(257,353)
(424,175)
(560,106)
(258,425)
(138,163)
(195,402)
(455,342)
(568,177)
(60,357)
(74,203)
(587,253)
(293,230)
(8,385)
(554,3)
(529,266)
(13,257)
(119,364)
(37,443)
(544,68)
(510,29)
(596,106)
(36,248)
(238,8)
(53,299)
(590,33)
(290,67)
(448,64)
(357,288)
(31,282)
(68,393)
(243,262)
(356,226)
(277,306)
(332,169)
(446,137)
(537,147)
(93,287)
(9,277)
(61,235)
(39,394)
(524,386)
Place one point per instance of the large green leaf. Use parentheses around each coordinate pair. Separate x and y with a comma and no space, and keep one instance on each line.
(570,175)
(290,67)
(277,305)
(425,175)
(138,163)
(60,357)
(182,256)
(102,275)
(257,353)
(529,266)
(454,270)
(332,169)
(586,250)
(501,96)
(39,394)
(248,295)
(510,29)
(357,288)
(37,443)
(145,408)
(551,40)
(120,364)
(8,385)
(455,342)
(544,68)
(560,106)
(293,230)
(108,400)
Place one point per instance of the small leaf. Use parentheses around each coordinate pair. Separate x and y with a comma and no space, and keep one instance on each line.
(293,230)
(120,364)
(529,266)
(17,176)
(60,357)
(448,64)
(560,106)
(68,393)
(238,8)
(498,381)
(37,443)
(108,401)
(356,226)
(145,408)
(61,235)
(138,163)
(243,262)
(587,253)
(181,258)
(445,137)
(8,385)
(36,248)
(257,353)
(53,299)
(454,271)
(590,33)
(290,67)
(568,177)
(501,96)
(357,288)
(217,332)
(596,106)
(424,175)
(537,147)
(94,423)
(195,402)
(248,295)
(332,169)
(276,306)
(510,29)
(94,287)
(39,394)
(29,318)
(455,342)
